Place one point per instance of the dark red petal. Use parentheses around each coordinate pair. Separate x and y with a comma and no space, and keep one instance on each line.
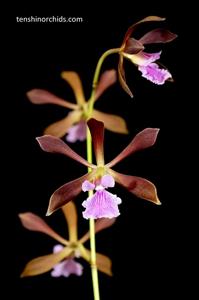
(53,144)
(159,35)
(133,46)
(133,27)
(66,193)
(142,140)
(33,222)
(38,96)
(97,134)
(121,77)
(138,186)
(100,225)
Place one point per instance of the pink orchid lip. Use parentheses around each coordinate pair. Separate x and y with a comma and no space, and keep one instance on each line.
(153,73)
(77,132)
(101,205)
(66,267)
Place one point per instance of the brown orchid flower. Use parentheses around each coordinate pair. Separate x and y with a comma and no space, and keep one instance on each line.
(75,122)
(133,50)
(62,261)
(102,175)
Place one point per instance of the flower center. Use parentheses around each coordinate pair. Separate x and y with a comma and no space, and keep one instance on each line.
(100,172)
(75,247)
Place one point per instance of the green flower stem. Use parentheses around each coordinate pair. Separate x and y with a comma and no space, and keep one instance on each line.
(93,264)
(94,271)
(96,77)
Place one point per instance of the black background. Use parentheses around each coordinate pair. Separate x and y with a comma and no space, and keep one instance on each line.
(146,241)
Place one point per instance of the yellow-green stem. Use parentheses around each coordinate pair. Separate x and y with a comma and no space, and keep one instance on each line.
(94,272)
(96,76)
(89,158)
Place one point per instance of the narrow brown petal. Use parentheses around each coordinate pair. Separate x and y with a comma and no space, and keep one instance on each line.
(73,79)
(38,96)
(53,144)
(97,134)
(121,77)
(133,46)
(144,139)
(104,263)
(60,128)
(44,263)
(158,35)
(107,79)
(70,213)
(85,253)
(67,192)
(33,222)
(133,27)
(138,186)
(100,225)
(111,122)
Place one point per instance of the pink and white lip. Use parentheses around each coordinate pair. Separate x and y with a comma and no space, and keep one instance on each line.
(101,204)
(77,132)
(66,267)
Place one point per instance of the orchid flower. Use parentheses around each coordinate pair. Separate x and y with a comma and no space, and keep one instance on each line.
(62,260)
(75,122)
(147,64)
(102,175)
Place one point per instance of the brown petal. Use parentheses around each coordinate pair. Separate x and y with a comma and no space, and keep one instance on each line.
(60,128)
(44,263)
(70,213)
(111,122)
(107,79)
(53,144)
(104,263)
(133,27)
(73,79)
(100,225)
(33,222)
(85,253)
(121,77)
(144,139)
(138,186)
(38,96)
(158,35)
(97,134)
(133,46)
(67,192)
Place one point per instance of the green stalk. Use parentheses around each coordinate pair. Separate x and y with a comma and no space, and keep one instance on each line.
(94,271)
